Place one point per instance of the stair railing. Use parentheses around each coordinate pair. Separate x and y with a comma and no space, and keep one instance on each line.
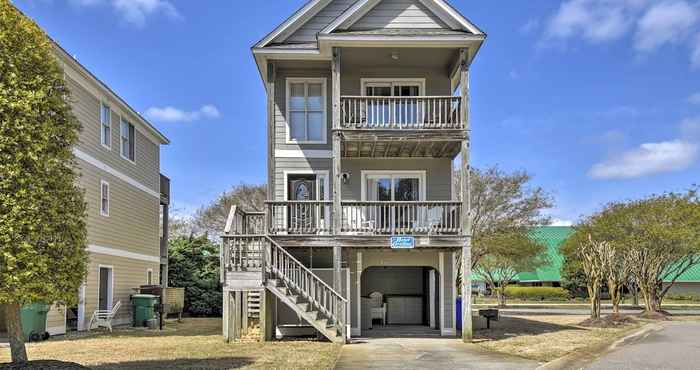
(319,294)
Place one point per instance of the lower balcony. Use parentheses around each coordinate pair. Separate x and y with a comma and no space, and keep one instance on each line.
(365,218)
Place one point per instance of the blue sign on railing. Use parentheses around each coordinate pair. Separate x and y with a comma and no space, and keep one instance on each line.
(402,242)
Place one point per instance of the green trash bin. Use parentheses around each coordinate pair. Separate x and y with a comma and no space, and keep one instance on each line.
(143,308)
(33,318)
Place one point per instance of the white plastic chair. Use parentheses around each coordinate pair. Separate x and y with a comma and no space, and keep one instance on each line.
(378,306)
(103,318)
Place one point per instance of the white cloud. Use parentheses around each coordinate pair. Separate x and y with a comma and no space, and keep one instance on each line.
(136,11)
(665,22)
(648,159)
(695,98)
(558,222)
(593,20)
(171,114)
(530,26)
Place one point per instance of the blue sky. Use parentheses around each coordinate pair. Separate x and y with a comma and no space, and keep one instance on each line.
(598,99)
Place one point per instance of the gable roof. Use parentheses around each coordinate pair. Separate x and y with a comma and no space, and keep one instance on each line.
(350,11)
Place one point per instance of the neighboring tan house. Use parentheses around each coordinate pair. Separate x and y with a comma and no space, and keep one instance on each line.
(368,108)
(119,160)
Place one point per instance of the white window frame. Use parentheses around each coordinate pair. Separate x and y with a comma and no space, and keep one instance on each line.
(110,286)
(108,144)
(149,276)
(392,82)
(324,100)
(419,174)
(121,133)
(104,212)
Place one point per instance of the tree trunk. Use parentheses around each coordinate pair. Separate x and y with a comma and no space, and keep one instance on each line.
(14,331)
(594,298)
(501,294)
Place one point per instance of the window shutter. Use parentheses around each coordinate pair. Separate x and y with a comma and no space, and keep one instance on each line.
(131,142)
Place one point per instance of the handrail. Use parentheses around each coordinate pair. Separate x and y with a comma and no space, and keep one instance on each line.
(401,113)
(306,269)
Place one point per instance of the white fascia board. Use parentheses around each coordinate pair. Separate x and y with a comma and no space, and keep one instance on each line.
(350,16)
(450,16)
(293,23)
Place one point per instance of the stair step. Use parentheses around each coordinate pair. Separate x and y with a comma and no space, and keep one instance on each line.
(304,306)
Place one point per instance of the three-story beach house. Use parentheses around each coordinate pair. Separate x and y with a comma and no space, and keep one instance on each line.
(363,232)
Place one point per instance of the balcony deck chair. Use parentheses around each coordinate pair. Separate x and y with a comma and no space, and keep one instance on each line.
(103,318)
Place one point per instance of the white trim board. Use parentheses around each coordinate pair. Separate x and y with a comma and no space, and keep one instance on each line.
(104,167)
(303,153)
(122,253)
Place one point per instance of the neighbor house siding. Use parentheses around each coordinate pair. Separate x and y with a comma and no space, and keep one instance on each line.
(398,14)
(437,174)
(132,224)
(127,273)
(56,319)
(308,32)
(86,106)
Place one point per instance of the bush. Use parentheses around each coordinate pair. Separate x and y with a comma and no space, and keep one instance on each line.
(193,264)
(683,297)
(537,293)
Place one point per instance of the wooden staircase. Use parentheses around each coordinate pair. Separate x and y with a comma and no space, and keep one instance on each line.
(245,257)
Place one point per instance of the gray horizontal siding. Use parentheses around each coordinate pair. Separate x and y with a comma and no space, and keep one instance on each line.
(437,174)
(437,81)
(310,29)
(399,14)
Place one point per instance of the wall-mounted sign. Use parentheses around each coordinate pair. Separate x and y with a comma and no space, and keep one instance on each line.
(402,242)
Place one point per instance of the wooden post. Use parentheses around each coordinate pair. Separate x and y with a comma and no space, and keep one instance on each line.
(225,316)
(244,312)
(467,330)
(337,182)
(271,77)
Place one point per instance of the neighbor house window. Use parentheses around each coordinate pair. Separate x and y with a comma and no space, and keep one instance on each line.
(306,110)
(106,124)
(127,140)
(104,198)
(149,277)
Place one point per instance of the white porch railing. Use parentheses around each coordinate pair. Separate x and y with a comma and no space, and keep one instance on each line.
(416,218)
(401,112)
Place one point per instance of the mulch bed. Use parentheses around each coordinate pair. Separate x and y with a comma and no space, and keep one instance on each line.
(44,365)
(609,321)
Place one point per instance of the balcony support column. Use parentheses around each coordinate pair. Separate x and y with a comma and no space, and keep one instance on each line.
(337,183)
(466,201)
(271,77)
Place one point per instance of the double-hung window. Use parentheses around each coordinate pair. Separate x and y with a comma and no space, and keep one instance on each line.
(106,126)
(306,110)
(126,140)
(104,198)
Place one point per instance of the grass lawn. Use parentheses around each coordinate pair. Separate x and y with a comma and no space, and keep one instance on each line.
(544,338)
(194,343)
(577,301)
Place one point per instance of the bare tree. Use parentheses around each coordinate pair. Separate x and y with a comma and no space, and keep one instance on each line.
(502,201)
(211,219)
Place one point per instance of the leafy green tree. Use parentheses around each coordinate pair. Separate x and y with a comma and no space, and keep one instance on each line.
(509,252)
(662,233)
(193,264)
(572,277)
(42,210)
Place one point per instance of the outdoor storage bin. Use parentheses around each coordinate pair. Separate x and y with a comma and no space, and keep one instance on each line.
(143,308)
(33,318)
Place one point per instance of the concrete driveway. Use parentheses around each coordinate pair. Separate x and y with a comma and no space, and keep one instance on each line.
(424,353)
(674,345)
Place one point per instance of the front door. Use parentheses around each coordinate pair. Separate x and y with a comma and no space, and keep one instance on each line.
(105,287)
(301,217)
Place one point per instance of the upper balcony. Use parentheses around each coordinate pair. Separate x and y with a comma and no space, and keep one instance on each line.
(401,113)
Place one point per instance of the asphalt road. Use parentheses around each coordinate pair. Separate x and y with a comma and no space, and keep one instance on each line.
(675,345)
(583,311)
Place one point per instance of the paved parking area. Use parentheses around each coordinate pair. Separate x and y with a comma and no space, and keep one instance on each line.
(424,353)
